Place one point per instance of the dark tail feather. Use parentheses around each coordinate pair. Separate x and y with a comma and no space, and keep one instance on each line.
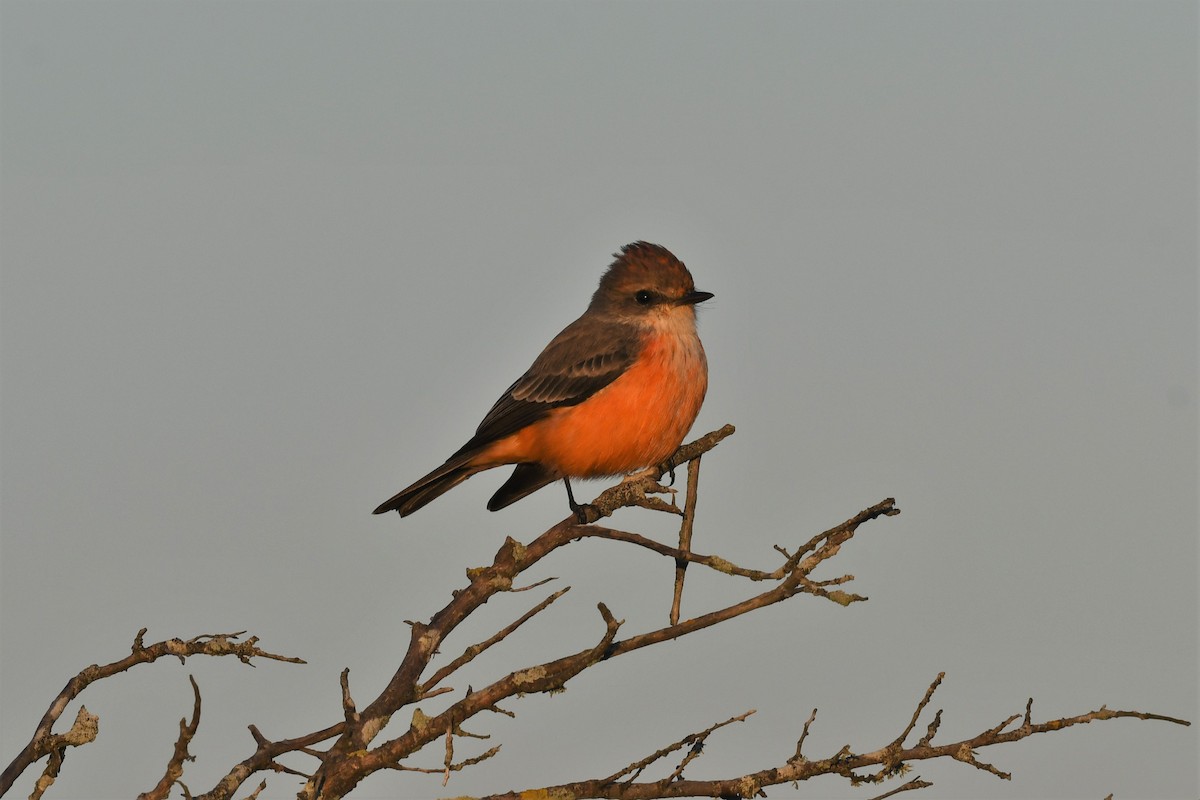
(432,486)
(525,480)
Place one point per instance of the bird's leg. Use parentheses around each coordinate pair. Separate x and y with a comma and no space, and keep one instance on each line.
(671,470)
(579,509)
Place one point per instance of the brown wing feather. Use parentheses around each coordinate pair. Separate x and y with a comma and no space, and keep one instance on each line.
(581,361)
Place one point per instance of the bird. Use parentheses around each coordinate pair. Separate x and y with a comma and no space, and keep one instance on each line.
(614,392)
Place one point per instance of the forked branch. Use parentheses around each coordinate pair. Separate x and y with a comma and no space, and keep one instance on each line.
(888,762)
(44,742)
(353,748)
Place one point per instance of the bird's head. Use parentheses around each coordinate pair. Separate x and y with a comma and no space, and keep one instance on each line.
(646,282)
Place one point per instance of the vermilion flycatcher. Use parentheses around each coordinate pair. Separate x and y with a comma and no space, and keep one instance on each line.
(615,391)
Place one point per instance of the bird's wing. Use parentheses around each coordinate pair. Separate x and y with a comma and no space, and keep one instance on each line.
(583,359)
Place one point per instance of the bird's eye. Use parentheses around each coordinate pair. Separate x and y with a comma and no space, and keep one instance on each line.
(644,297)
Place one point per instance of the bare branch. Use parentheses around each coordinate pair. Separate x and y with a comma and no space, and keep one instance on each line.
(685,535)
(218,644)
(476,649)
(630,493)
(349,711)
(449,751)
(351,758)
(920,707)
(338,775)
(455,767)
(353,754)
(713,562)
(803,735)
(932,730)
(84,730)
(175,766)
(254,795)
(533,585)
(636,768)
(915,783)
(890,761)
(264,756)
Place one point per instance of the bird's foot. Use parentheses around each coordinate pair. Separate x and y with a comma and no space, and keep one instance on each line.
(584,512)
(637,489)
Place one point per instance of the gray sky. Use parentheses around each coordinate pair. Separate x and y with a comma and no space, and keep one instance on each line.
(265,264)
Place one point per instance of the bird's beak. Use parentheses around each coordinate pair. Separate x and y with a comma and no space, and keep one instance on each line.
(691,298)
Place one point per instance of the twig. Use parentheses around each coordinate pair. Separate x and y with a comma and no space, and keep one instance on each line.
(631,493)
(84,730)
(550,676)
(264,756)
(352,756)
(349,760)
(915,783)
(713,562)
(455,767)
(899,742)
(478,648)
(349,710)
(175,765)
(798,768)
(636,768)
(803,735)
(216,644)
(254,795)
(685,535)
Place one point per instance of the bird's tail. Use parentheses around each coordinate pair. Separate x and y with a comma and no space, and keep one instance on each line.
(432,486)
(524,481)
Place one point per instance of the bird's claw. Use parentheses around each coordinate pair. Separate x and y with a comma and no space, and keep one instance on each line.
(585,513)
